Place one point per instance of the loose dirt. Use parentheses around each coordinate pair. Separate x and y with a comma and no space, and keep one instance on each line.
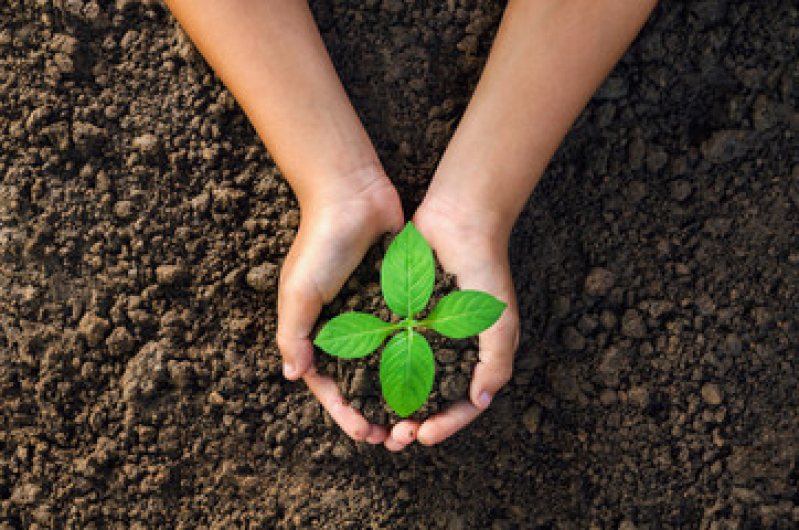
(143,224)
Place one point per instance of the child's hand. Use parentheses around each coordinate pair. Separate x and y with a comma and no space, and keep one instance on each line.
(333,237)
(470,249)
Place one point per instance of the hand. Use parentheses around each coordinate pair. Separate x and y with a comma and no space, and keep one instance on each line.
(476,254)
(332,239)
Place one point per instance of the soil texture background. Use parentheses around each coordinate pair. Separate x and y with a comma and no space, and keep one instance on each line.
(143,224)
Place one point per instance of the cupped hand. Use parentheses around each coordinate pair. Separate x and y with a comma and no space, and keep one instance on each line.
(477,255)
(332,239)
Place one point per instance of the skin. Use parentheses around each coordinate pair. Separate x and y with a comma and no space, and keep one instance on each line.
(549,56)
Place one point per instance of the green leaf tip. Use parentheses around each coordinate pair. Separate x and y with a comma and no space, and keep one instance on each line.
(408,273)
(407,369)
(353,335)
(465,313)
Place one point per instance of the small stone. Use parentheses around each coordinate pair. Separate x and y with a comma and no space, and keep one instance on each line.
(614,87)
(454,386)
(638,396)
(532,419)
(445,356)
(146,143)
(181,373)
(146,371)
(599,281)
(561,307)
(93,328)
(632,324)
(608,319)
(263,277)
(170,274)
(124,209)
(626,524)
(27,493)
(680,190)
(215,398)
(725,146)
(608,397)
(611,365)
(572,339)
(201,202)
(290,219)
(711,394)
(120,342)
(733,344)
(87,136)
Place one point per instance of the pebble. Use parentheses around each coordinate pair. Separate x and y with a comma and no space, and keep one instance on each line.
(454,386)
(572,339)
(145,371)
(680,190)
(86,135)
(146,143)
(170,274)
(638,396)
(608,397)
(263,277)
(124,209)
(532,419)
(599,281)
(93,328)
(632,324)
(608,319)
(711,394)
(446,356)
(120,342)
(181,373)
(725,146)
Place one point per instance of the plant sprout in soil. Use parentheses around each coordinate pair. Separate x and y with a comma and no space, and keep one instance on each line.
(407,366)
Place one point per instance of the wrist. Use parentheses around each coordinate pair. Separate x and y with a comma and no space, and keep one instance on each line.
(488,230)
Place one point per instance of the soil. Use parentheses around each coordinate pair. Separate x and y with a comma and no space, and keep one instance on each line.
(359,380)
(142,225)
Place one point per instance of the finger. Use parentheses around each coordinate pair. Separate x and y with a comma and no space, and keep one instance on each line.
(377,434)
(393,445)
(298,308)
(326,391)
(402,434)
(445,424)
(495,365)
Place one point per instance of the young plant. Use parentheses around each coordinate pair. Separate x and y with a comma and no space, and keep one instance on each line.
(407,366)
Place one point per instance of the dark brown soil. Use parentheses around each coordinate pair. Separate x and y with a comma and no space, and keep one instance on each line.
(142,224)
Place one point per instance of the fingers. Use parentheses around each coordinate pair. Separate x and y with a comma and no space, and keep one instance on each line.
(495,365)
(377,435)
(402,434)
(443,425)
(298,309)
(350,420)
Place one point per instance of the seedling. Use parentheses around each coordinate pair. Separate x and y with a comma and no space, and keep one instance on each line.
(407,366)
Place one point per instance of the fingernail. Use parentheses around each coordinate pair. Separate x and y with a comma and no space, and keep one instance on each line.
(289,370)
(484,399)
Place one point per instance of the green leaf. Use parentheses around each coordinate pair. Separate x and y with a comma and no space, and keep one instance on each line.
(406,372)
(464,313)
(408,273)
(353,335)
